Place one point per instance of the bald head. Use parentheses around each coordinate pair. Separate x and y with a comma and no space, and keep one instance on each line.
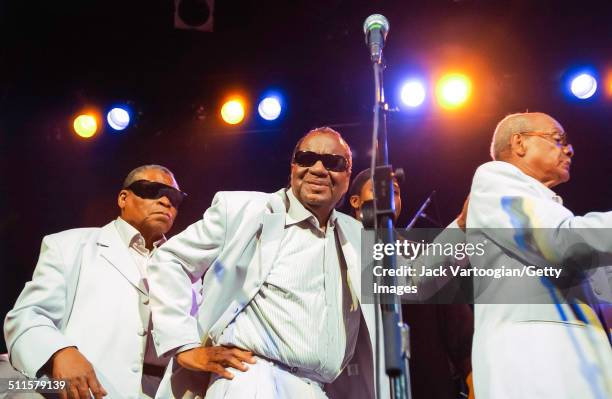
(518,123)
(536,144)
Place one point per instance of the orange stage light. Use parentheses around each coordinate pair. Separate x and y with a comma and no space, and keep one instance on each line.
(232,112)
(453,90)
(85,125)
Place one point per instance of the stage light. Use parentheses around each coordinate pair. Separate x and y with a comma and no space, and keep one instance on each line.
(232,112)
(453,90)
(85,125)
(413,93)
(583,86)
(269,108)
(118,118)
(194,14)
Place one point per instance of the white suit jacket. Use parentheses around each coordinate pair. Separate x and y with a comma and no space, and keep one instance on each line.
(528,350)
(86,292)
(234,247)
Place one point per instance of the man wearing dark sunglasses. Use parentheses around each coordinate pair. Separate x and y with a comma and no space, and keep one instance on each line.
(320,173)
(281,280)
(84,317)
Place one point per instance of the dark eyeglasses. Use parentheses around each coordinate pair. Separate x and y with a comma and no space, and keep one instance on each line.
(153,190)
(331,162)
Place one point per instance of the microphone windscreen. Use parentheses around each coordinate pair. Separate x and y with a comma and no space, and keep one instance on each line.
(376,21)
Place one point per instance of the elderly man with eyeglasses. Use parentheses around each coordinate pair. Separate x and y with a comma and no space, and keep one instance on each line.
(84,317)
(281,280)
(545,344)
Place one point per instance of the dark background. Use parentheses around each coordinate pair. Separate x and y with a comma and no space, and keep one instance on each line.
(58,57)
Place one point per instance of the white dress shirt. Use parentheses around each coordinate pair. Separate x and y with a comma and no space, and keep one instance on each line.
(141,255)
(304,315)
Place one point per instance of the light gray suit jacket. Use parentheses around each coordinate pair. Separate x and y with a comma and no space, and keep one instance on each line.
(234,247)
(87,292)
(529,350)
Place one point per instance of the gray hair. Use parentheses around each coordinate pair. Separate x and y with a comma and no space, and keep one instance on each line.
(325,130)
(522,122)
(133,175)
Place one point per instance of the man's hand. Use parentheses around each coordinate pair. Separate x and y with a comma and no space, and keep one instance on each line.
(215,359)
(70,365)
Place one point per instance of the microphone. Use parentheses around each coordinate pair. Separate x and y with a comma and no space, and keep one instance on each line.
(375,28)
(421,211)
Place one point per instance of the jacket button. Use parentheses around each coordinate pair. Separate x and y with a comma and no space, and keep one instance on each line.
(294,369)
(142,333)
(136,368)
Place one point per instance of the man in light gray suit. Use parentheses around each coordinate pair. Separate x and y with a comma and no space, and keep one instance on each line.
(84,317)
(281,280)
(539,349)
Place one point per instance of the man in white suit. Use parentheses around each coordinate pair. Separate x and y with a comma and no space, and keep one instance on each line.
(84,317)
(545,350)
(281,280)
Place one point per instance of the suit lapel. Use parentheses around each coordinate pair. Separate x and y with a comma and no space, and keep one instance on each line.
(114,251)
(273,230)
(351,243)
(349,251)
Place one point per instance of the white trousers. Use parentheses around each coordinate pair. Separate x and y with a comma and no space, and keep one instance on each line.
(264,380)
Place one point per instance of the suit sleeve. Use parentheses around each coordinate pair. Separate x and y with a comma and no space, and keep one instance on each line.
(31,327)
(514,214)
(178,263)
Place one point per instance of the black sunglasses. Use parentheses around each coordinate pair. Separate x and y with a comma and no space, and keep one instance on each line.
(331,162)
(153,190)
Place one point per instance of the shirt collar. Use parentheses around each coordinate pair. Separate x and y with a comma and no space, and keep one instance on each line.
(132,237)
(298,213)
(545,191)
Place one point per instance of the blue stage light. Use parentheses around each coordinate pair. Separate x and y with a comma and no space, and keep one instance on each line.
(118,118)
(584,86)
(413,93)
(269,108)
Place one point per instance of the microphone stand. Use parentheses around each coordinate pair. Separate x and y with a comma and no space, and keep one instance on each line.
(395,332)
